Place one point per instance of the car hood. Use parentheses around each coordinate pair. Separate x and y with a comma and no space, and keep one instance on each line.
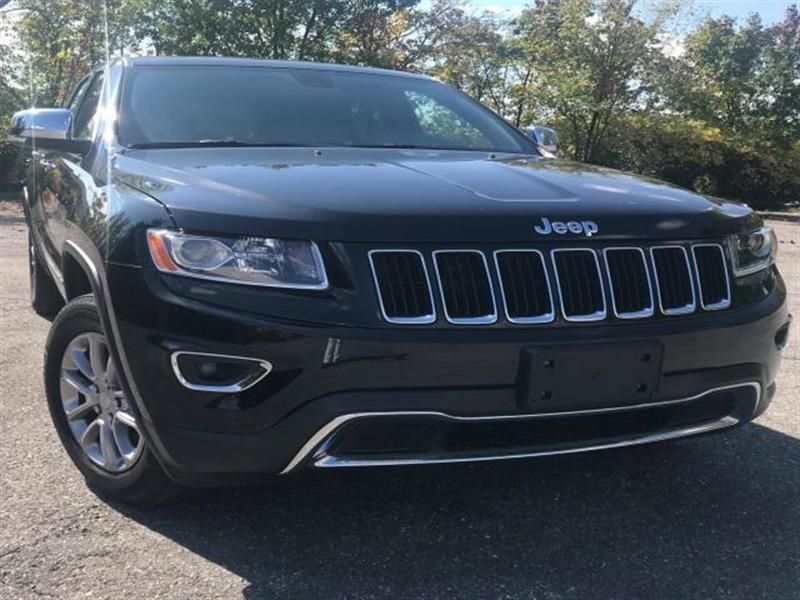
(389,195)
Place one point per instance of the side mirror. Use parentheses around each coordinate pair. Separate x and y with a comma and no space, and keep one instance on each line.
(545,137)
(46,128)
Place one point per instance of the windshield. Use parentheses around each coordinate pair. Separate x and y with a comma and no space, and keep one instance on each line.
(211,105)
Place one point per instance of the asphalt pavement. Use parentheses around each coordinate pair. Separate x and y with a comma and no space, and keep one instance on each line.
(715,517)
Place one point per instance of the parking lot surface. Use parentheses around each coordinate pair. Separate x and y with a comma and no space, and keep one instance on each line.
(714,517)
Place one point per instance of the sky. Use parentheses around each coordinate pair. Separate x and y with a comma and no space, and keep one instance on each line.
(771,11)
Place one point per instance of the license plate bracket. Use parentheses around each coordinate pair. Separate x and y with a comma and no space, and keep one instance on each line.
(570,376)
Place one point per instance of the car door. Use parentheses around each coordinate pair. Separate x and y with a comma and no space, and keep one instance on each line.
(64,194)
(39,164)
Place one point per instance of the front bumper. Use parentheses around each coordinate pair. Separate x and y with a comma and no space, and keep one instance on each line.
(345,396)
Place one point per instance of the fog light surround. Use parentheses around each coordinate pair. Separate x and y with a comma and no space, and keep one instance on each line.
(218,373)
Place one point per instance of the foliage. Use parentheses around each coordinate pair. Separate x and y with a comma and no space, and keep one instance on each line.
(590,60)
(61,40)
(477,59)
(711,160)
(384,33)
(745,79)
(716,108)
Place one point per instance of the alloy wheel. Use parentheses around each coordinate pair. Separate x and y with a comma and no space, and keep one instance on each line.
(95,405)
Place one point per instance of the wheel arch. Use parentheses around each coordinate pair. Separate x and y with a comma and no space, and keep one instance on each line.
(77,281)
(79,259)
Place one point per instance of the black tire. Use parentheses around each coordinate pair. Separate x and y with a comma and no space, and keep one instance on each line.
(46,300)
(144,482)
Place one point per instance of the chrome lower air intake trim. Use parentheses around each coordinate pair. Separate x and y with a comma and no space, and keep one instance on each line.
(315,446)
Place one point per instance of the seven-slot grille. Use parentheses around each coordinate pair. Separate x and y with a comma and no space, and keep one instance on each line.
(673,280)
(580,285)
(585,284)
(404,290)
(712,276)
(524,286)
(466,286)
(629,281)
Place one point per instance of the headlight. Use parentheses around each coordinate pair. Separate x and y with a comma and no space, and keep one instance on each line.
(753,251)
(251,261)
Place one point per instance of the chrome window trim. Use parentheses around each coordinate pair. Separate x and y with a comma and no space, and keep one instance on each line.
(641,314)
(482,320)
(595,316)
(683,310)
(220,389)
(544,318)
(317,443)
(726,302)
(422,319)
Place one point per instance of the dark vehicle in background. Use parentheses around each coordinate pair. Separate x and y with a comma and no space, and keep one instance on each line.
(256,267)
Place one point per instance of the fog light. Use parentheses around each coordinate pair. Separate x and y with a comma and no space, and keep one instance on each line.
(207,369)
(220,373)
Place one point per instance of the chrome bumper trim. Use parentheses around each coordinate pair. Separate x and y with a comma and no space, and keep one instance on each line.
(317,443)
(331,461)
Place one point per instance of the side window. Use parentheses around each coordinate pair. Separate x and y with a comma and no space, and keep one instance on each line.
(443,125)
(84,118)
(75,96)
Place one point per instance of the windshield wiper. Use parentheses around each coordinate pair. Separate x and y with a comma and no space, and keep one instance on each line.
(399,146)
(419,147)
(212,144)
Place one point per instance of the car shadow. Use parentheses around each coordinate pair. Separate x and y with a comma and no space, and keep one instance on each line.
(9,218)
(717,516)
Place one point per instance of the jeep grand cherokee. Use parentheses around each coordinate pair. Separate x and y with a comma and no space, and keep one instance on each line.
(260,266)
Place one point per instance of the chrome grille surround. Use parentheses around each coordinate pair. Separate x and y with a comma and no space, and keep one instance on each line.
(419,320)
(726,301)
(597,315)
(641,314)
(683,310)
(547,317)
(487,319)
(685,284)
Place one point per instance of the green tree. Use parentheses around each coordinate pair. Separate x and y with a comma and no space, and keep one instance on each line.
(588,62)
(61,40)
(745,79)
(264,28)
(477,59)
(779,100)
(12,96)
(724,63)
(396,34)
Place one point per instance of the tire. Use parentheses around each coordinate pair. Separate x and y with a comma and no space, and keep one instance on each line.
(45,298)
(100,434)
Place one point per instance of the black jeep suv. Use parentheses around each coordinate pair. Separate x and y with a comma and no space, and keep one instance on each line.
(256,267)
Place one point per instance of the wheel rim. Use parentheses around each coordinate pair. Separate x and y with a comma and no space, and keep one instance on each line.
(95,406)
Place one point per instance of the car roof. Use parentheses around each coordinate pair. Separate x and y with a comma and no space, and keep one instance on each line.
(219,61)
